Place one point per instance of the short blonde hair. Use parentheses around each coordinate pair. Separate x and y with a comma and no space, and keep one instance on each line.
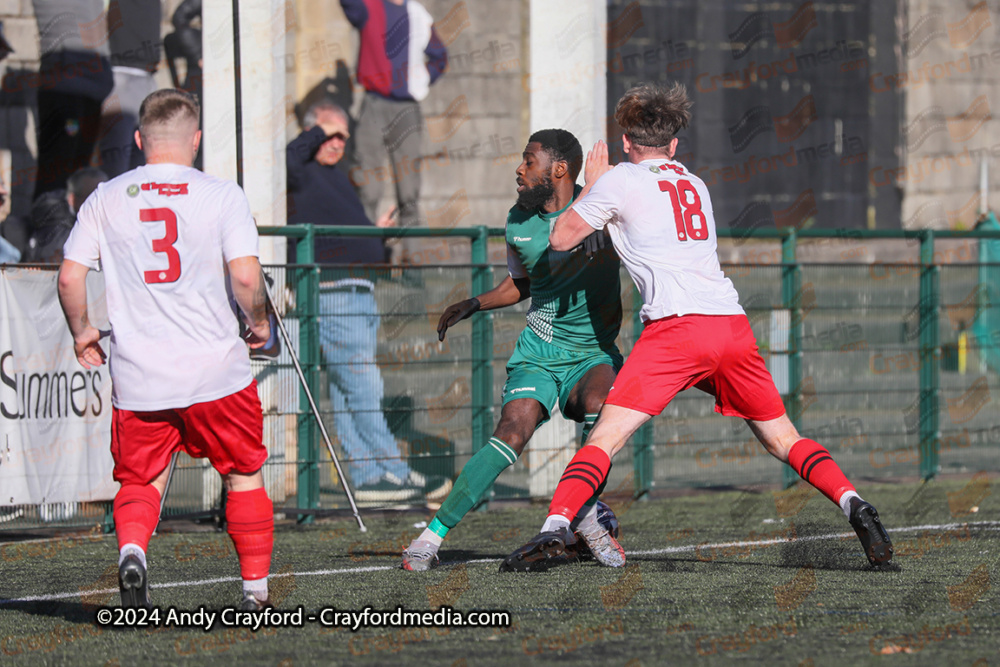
(167,107)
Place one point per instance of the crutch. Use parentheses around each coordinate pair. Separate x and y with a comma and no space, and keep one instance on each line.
(166,487)
(312,405)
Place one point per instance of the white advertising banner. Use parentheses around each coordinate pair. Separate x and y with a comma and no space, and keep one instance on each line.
(55,415)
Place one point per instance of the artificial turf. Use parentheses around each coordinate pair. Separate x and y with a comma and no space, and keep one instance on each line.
(712,578)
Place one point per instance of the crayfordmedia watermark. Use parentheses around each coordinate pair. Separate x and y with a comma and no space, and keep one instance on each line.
(266,618)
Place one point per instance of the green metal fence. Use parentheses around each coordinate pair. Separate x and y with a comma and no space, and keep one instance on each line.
(872,356)
(855,348)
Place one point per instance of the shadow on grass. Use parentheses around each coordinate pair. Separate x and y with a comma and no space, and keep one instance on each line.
(72,612)
(455,556)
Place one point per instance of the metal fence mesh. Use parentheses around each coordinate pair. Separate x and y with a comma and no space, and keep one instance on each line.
(858,389)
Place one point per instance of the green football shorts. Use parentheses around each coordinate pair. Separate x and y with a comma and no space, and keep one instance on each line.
(546,372)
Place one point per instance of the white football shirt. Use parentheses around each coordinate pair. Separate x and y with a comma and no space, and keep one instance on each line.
(660,219)
(163,234)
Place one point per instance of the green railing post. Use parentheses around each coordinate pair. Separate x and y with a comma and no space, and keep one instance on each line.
(482,345)
(791,300)
(642,441)
(108,522)
(930,356)
(307,305)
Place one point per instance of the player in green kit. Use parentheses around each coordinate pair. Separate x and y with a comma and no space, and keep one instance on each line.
(567,353)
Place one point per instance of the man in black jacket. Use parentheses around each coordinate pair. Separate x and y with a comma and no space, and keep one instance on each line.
(320,193)
(54,213)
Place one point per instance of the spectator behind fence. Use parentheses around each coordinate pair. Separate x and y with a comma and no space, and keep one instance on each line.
(320,193)
(393,33)
(53,215)
(185,43)
(5,47)
(134,40)
(13,230)
(75,76)
(9,252)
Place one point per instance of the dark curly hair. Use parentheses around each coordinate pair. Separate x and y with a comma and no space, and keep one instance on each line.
(561,145)
(652,115)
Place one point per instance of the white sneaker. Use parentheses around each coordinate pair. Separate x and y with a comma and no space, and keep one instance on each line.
(387,489)
(435,488)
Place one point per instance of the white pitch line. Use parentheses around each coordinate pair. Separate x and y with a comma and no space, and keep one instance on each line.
(81,537)
(989,525)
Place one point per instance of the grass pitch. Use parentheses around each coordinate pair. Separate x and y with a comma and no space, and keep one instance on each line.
(713,577)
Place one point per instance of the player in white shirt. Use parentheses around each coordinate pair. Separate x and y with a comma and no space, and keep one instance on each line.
(696,334)
(165,236)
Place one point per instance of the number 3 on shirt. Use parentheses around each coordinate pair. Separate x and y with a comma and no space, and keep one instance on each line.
(164,245)
(687,226)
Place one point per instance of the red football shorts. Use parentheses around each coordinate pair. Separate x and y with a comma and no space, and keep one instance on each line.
(228,431)
(715,353)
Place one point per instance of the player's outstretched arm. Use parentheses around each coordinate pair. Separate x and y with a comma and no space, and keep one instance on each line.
(249,291)
(570,229)
(507,293)
(73,299)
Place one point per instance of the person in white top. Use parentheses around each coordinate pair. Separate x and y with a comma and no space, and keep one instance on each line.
(166,236)
(696,334)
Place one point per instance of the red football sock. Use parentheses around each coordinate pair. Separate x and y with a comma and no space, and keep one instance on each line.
(136,513)
(582,478)
(250,521)
(815,465)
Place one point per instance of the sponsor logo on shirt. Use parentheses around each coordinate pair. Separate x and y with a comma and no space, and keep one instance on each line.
(663,167)
(166,189)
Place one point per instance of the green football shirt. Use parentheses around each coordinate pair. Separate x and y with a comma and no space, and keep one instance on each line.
(575,299)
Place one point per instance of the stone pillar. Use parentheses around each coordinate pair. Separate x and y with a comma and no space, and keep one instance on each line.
(264,25)
(567,76)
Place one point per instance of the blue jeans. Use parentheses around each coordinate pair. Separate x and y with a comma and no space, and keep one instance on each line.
(348,335)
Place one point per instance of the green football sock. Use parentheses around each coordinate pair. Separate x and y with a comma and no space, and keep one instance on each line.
(476,479)
(588,426)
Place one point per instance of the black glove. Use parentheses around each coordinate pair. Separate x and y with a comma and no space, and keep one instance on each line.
(595,243)
(455,313)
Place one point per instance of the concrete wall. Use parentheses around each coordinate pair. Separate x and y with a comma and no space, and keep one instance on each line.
(952,72)
(477,115)
(480,113)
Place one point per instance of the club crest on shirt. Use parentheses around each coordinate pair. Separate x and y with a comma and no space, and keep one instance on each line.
(132,190)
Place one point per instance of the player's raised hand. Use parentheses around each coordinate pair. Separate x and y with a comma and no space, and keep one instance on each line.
(88,349)
(455,313)
(597,163)
(332,123)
